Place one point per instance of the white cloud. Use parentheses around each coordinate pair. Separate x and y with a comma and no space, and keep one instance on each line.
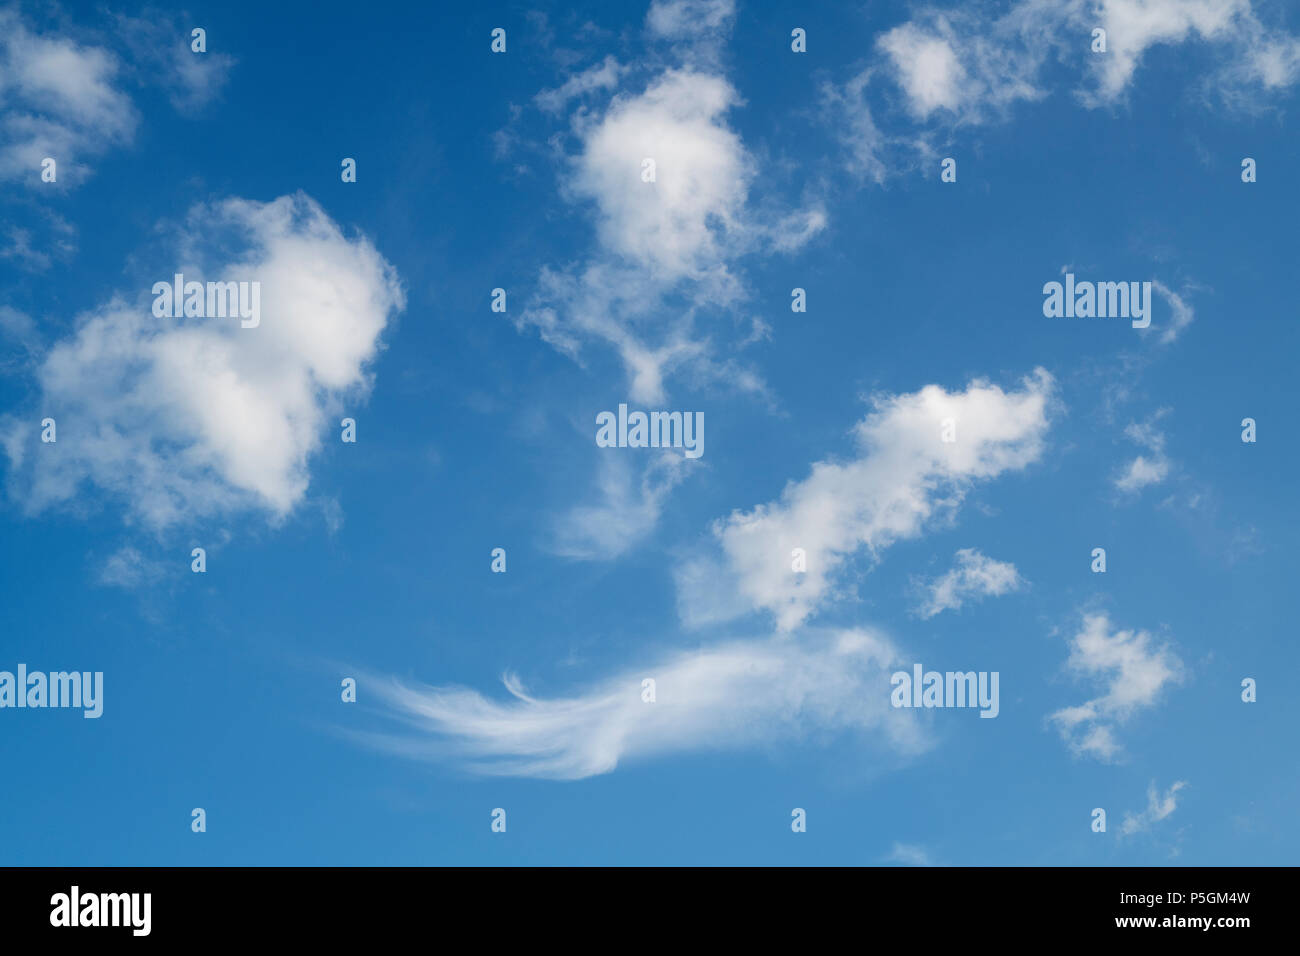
(953,67)
(741,694)
(1132,670)
(927,68)
(904,476)
(1134,26)
(666,248)
(1142,471)
(628,509)
(975,576)
(663,265)
(58,99)
(1158,808)
(679,225)
(752,693)
(185,418)
(1149,469)
(64,99)
(971,63)
(967,63)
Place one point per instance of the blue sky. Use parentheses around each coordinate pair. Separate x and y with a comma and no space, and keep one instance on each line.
(775,170)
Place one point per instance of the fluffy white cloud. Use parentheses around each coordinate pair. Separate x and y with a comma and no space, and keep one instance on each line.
(665,258)
(666,248)
(745,693)
(1134,26)
(57,99)
(905,475)
(66,100)
(926,67)
(1158,808)
(973,577)
(185,418)
(1132,670)
(680,225)
(968,63)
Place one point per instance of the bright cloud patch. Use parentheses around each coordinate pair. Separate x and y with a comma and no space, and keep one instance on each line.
(927,69)
(969,63)
(906,474)
(975,576)
(678,225)
(58,99)
(1140,472)
(1158,808)
(184,418)
(667,243)
(1131,668)
(1133,26)
(1149,469)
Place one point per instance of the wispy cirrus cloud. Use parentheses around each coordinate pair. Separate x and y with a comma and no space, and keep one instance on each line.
(739,694)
